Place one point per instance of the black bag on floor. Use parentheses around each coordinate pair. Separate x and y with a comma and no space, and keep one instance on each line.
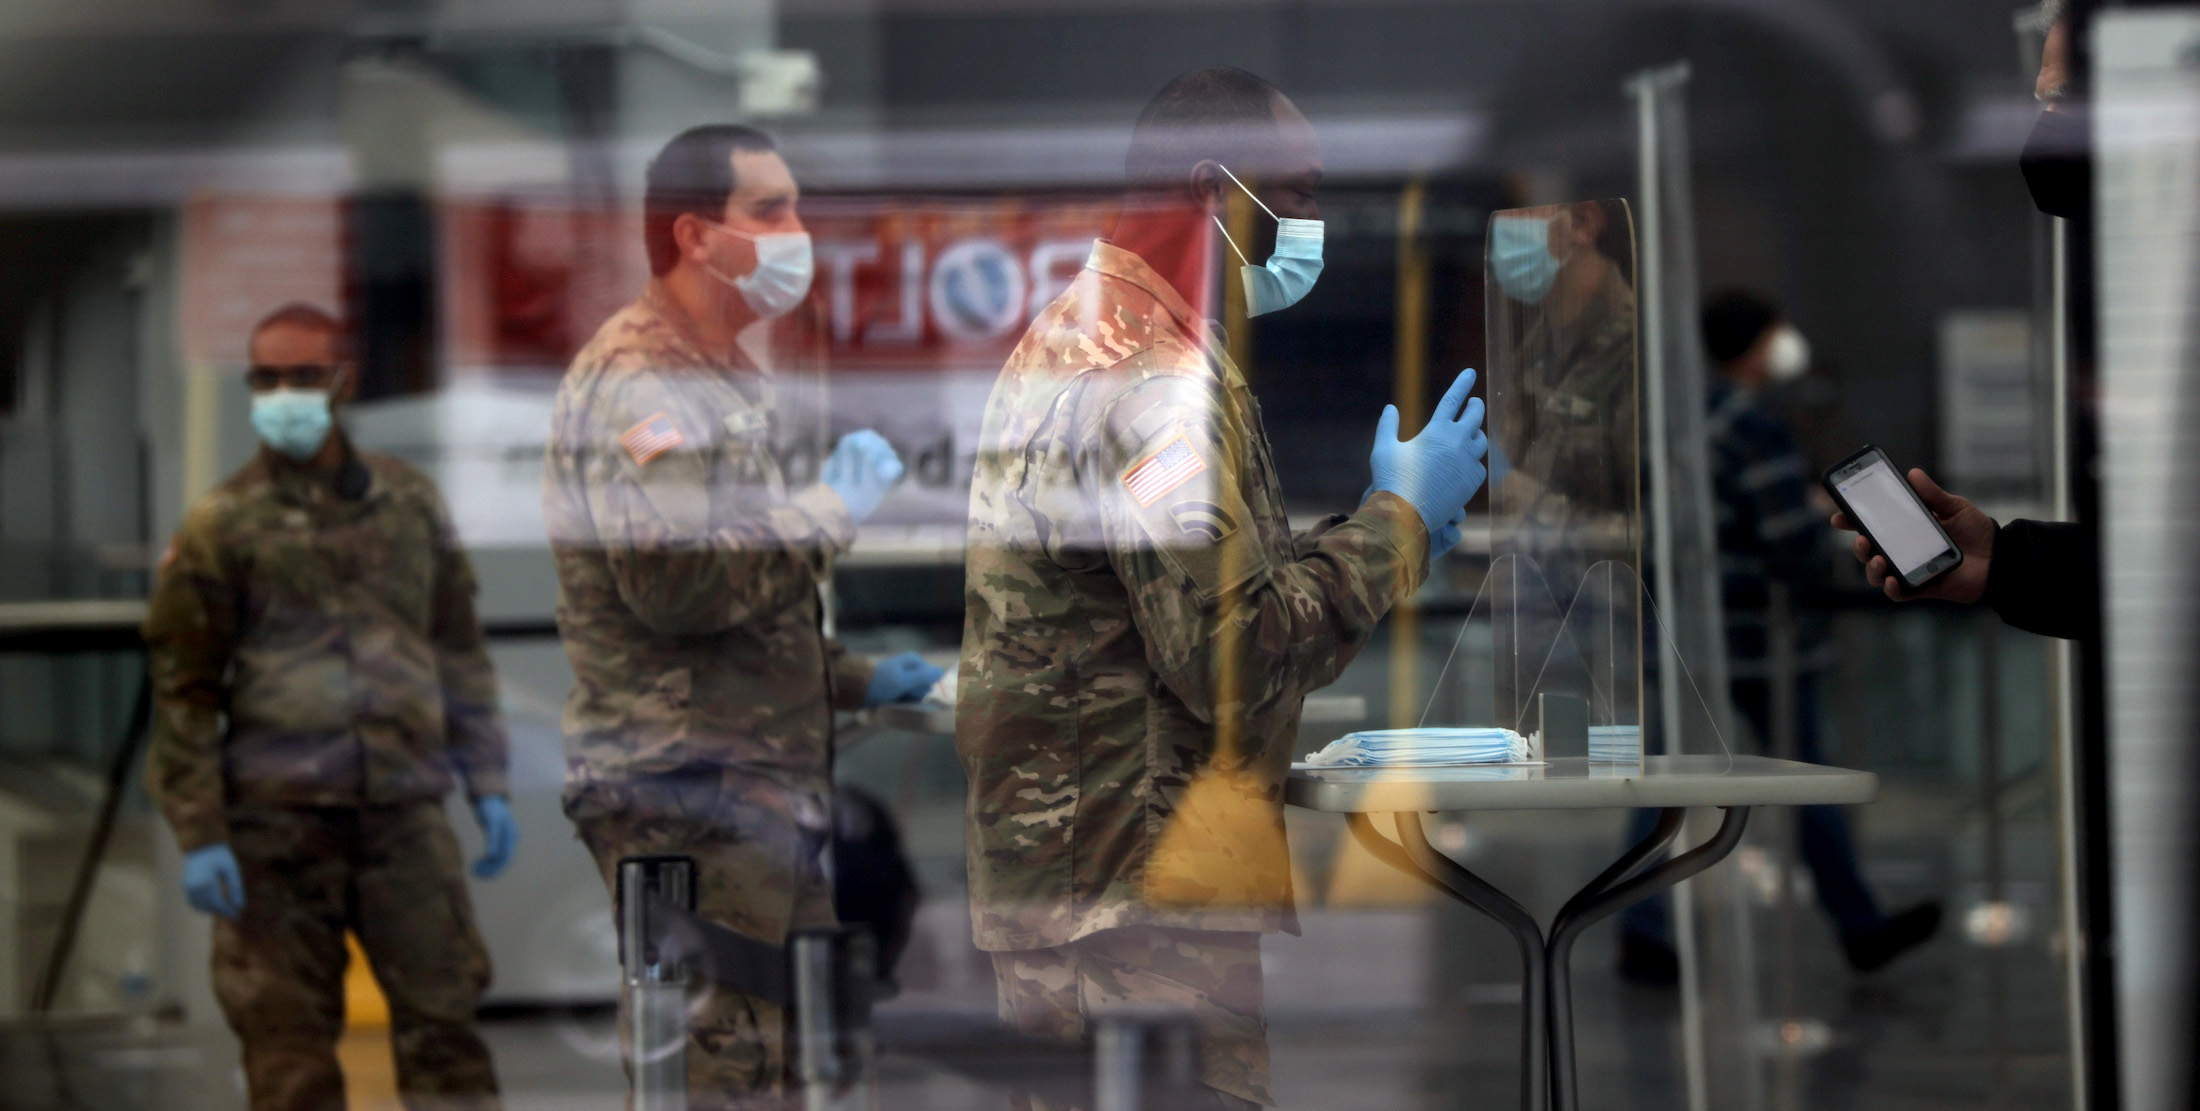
(873,885)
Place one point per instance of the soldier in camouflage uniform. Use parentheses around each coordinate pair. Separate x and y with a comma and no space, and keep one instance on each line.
(700,721)
(321,683)
(1141,625)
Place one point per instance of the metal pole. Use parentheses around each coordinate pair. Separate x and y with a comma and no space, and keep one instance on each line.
(1648,88)
(2064,661)
(1409,373)
(1786,743)
(815,1044)
(1115,1063)
(656,983)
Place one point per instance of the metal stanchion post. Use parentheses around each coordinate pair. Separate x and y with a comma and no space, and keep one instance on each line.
(832,988)
(812,956)
(1117,1075)
(656,982)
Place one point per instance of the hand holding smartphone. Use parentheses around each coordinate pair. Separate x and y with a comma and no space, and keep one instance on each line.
(1880,502)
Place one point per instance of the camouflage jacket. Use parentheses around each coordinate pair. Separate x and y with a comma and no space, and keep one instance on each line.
(687,573)
(1563,405)
(316,651)
(1141,627)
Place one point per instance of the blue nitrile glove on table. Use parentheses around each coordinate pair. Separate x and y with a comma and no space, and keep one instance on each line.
(1440,469)
(499,835)
(861,469)
(212,882)
(903,677)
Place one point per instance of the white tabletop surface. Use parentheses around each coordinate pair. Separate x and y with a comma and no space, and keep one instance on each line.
(1572,783)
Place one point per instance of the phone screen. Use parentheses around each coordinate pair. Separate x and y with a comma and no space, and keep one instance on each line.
(1885,505)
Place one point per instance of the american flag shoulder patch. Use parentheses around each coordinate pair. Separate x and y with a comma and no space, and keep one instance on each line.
(1163,471)
(651,437)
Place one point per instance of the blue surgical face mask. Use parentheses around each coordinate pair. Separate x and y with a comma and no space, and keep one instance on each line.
(1290,271)
(1520,256)
(294,422)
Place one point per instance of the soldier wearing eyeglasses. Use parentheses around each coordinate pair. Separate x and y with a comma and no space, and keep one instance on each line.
(321,683)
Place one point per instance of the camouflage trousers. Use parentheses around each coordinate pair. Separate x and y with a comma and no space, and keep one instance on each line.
(758,870)
(1212,975)
(389,874)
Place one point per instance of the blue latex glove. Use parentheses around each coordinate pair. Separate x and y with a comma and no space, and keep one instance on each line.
(903,677)
(212,883)
(499,835)
(1441,468)
(861,469)
(1446,538)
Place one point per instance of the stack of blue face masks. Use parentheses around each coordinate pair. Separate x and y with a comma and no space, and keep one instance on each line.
(1615,743)
(1432,746)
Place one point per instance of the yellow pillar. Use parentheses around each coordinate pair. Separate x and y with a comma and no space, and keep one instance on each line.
(1237,215)
(1410,344)
(1356,878)
(370,1072)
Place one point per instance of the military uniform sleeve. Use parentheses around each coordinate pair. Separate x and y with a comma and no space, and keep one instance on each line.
(190,633)
(697,539)
(1232,627)
(473,724)
(851,675)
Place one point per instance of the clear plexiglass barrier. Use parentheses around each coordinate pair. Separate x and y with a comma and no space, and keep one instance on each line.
(1565,594)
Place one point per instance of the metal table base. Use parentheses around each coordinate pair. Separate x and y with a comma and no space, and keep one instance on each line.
(1546,990)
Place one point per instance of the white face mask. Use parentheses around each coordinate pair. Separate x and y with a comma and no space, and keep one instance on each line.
(784,267)
(1789,356)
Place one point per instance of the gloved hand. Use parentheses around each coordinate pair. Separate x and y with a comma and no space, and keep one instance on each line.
(861,469)
(903,677)
(1439,469)
(1497,463)
(212,882)
(1446,538)
(499,835)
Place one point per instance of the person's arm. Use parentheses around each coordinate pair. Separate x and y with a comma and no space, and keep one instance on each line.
(473,724)
(690,554)
(2038,576)
(1229,628)
(190,635)
(2044,578)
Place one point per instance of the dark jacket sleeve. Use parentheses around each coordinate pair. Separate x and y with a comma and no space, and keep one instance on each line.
(2045,578)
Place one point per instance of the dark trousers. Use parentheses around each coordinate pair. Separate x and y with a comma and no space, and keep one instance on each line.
(1827,848)
(391,875)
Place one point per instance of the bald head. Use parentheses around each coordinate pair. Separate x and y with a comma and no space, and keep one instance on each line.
(1220,114)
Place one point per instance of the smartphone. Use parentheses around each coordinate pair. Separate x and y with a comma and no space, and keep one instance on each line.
(1879,499)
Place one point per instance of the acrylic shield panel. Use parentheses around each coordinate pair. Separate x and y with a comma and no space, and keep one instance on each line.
(1565,589)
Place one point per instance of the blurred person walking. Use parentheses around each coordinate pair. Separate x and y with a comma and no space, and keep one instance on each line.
(320,683)
(1771,530)
(701,717)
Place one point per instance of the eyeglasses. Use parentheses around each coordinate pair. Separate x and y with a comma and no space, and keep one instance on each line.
(303,376)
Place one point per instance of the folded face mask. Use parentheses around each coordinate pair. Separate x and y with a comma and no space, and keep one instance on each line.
(1432,746)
